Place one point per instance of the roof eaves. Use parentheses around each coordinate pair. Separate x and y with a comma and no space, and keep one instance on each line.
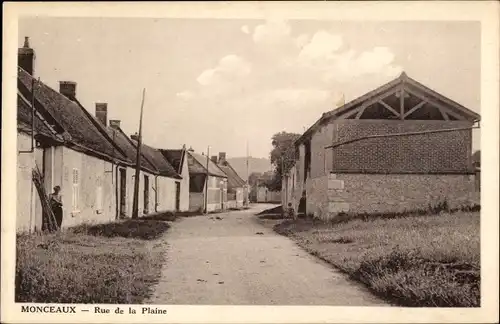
(101,129)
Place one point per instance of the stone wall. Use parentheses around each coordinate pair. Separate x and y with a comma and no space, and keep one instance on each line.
(375,193)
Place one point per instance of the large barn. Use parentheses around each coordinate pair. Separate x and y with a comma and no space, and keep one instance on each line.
(399,147)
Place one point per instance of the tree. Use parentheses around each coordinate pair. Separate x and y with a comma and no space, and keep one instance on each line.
(282,156)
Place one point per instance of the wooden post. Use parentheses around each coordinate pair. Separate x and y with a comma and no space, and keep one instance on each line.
(402,103)
(206,181)
(135,205)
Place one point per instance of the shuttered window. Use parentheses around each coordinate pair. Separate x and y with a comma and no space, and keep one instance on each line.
(76,190)
(98,199)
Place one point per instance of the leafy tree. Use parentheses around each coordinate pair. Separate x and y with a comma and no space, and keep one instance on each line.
(282,156)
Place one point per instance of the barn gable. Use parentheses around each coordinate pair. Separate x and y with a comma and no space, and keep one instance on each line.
(400,99)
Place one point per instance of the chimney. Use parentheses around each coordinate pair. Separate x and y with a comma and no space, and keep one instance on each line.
(114,123)
(101,113)
(222,156)
(214,159)
(68,89)
(135,137)
(26,57)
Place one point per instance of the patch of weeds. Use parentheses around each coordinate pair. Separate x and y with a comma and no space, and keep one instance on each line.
(130,228)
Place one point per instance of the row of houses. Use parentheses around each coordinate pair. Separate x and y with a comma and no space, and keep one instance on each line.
(94,162)
(400,147)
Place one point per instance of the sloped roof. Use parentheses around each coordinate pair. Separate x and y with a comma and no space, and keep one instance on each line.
(129,149)
(409,85)
(69,115)
(24,119)
(198,164)
(174,157)
(156,158)
(233,179)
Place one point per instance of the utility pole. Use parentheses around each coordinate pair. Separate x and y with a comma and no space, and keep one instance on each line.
(206,181)
(135,206)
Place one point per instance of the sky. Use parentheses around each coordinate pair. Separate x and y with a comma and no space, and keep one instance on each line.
(224,83)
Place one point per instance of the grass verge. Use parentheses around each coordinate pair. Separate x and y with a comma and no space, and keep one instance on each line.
(114,263)
(419,261)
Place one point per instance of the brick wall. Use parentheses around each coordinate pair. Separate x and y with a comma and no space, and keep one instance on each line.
(428,153)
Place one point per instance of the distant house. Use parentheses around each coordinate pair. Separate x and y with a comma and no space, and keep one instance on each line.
(399,147)
(158,179)
(164,186)
(210,193)
(70,152)
(264,195)
(178,159)
(237,190)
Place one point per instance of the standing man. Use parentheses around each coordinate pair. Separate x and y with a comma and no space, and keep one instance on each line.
(56,204)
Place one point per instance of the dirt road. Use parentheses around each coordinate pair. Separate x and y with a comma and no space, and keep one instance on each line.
(236,260)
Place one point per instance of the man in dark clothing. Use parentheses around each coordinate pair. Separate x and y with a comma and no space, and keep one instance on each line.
(56,204)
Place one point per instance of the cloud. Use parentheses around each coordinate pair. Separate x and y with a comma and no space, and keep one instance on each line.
(322,45)
(185,95)
(229,69)
(245,29)
(271,32)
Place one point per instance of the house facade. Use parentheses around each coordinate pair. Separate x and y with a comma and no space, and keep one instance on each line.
(92,163)
(237,189)
(179,160)
(69,152)
(400,147)
(207,184)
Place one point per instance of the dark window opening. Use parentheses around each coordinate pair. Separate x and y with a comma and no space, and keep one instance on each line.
(197,183)
(426,112)
(378,111)
(307,160)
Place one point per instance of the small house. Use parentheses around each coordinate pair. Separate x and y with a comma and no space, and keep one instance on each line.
(178,159)
(207,184)
(69,151)
(237,190)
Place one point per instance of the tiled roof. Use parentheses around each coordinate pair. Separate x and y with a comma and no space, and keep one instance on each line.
(24,119)
(69,115)
(130,150)
(198,164)
(174,157)
(233,179)
(158,160)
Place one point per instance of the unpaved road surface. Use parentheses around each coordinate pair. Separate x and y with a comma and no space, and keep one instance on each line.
(235,260)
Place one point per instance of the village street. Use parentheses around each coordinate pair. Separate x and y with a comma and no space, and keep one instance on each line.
(224,261)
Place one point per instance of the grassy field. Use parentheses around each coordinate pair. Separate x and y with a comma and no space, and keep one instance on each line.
(109,263)
(419,261)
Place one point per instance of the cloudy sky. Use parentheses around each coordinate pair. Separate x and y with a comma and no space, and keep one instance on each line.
(223,82)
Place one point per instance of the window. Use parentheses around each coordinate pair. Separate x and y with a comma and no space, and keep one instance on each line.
(98,200)
(76,191)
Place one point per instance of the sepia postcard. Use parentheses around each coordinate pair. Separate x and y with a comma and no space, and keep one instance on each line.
(250,162)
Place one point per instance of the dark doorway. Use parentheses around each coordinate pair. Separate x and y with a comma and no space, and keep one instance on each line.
(123,193)
(146,194)
(177,196)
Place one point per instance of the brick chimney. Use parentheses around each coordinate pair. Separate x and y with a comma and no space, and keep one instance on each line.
(114,123)
(214,159)
(222,157)
(135,137)
(68,89)
(101,112)
(26,57)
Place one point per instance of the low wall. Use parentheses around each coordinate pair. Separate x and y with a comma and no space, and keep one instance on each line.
(196,201)
(376,193)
